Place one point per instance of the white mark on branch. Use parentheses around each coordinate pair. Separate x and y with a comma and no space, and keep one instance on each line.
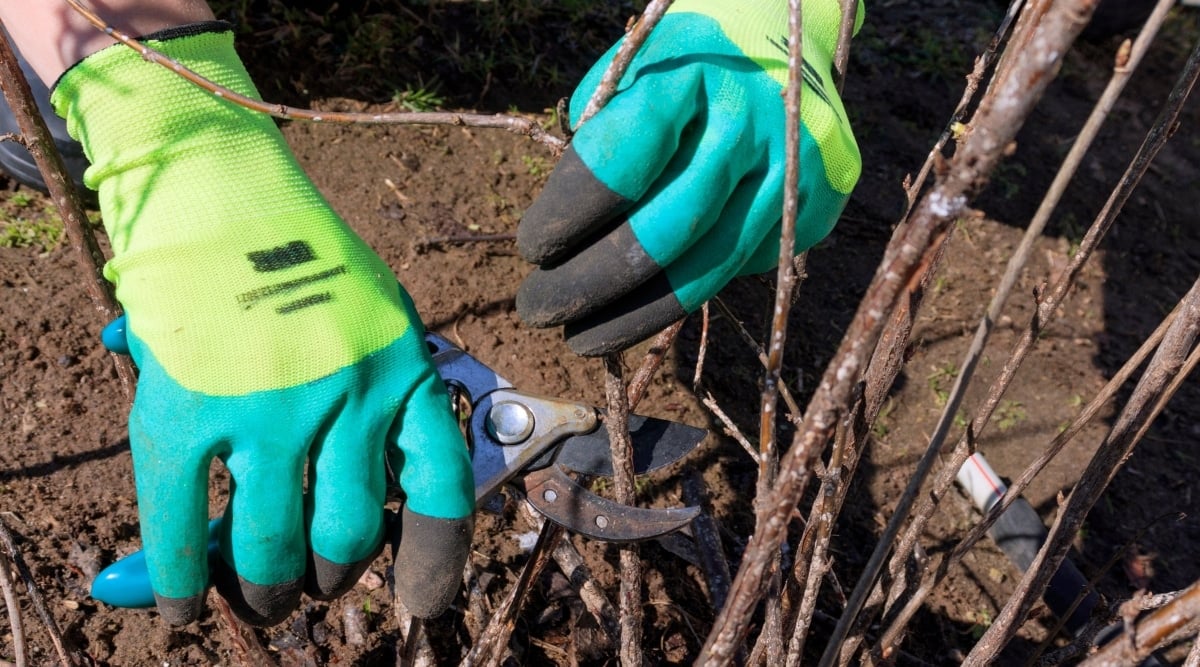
(944,207)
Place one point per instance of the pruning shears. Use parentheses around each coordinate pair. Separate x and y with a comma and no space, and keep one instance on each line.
(535,443)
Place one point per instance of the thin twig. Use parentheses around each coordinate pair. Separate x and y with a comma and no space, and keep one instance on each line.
(35,596)
(489,646)
(624,57)
(630,597)
(1177,616)
(983,62)
(841,54)
(14,612)
(794,412)
(1122,438)
(66,198)
(1001,113)
(655,356)
(513,124)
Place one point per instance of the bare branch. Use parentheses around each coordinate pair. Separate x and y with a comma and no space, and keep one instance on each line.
(40,143)
(630,598)
(1122,438)
(620,63)
(14,612)
(1000,115)
(513,124)
(1169,621)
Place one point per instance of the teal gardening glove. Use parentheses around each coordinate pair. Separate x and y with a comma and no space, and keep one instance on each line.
(268,335)
(676,186)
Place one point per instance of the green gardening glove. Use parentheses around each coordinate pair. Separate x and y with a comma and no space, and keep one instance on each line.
(676,186)
(269,336)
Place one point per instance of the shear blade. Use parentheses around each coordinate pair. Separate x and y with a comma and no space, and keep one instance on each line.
(568,504)
(657,443)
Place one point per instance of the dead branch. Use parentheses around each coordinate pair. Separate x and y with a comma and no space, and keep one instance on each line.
(1122,438)
(841,53)
(655,356)
(247,648)
(620,63)
(1016,263)
(1193,656)
(14,612)
(630,596)
(490,646)
(67,657)
(513,124)
(983,62)
(570,562)
(1178,616)
(1001,113)
(40,143)
(794,412)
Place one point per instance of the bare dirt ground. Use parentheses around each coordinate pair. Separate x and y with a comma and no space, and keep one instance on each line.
(65,481)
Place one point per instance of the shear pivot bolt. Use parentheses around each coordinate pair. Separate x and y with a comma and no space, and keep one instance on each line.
(510,423)
(601,521)
(550,495)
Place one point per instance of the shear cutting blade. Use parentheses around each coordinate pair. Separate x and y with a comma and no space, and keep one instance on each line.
(656,443)
(566,503)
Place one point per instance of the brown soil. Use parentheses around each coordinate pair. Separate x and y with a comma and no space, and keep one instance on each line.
(66,485)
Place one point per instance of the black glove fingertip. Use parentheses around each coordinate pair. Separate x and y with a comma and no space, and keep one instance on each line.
(179,611)
(429,561)
(644,312)
(327,580)
(262,605)
(605,271)
(572,206)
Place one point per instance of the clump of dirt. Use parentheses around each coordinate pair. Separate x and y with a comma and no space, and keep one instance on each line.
(441,204)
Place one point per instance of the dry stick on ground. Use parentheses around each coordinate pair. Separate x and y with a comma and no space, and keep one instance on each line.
(35,596)
(514,124)
(1017,261)
(66,198)
(1168,622)
(1121,439)
(14,612)
(1001,113)
(489,648)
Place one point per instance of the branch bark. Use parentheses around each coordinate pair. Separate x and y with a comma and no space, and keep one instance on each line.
(1001,113)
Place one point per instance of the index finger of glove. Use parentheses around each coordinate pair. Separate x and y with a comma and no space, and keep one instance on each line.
(613,160)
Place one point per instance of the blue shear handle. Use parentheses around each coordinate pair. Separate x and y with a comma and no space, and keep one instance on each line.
(126,583)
